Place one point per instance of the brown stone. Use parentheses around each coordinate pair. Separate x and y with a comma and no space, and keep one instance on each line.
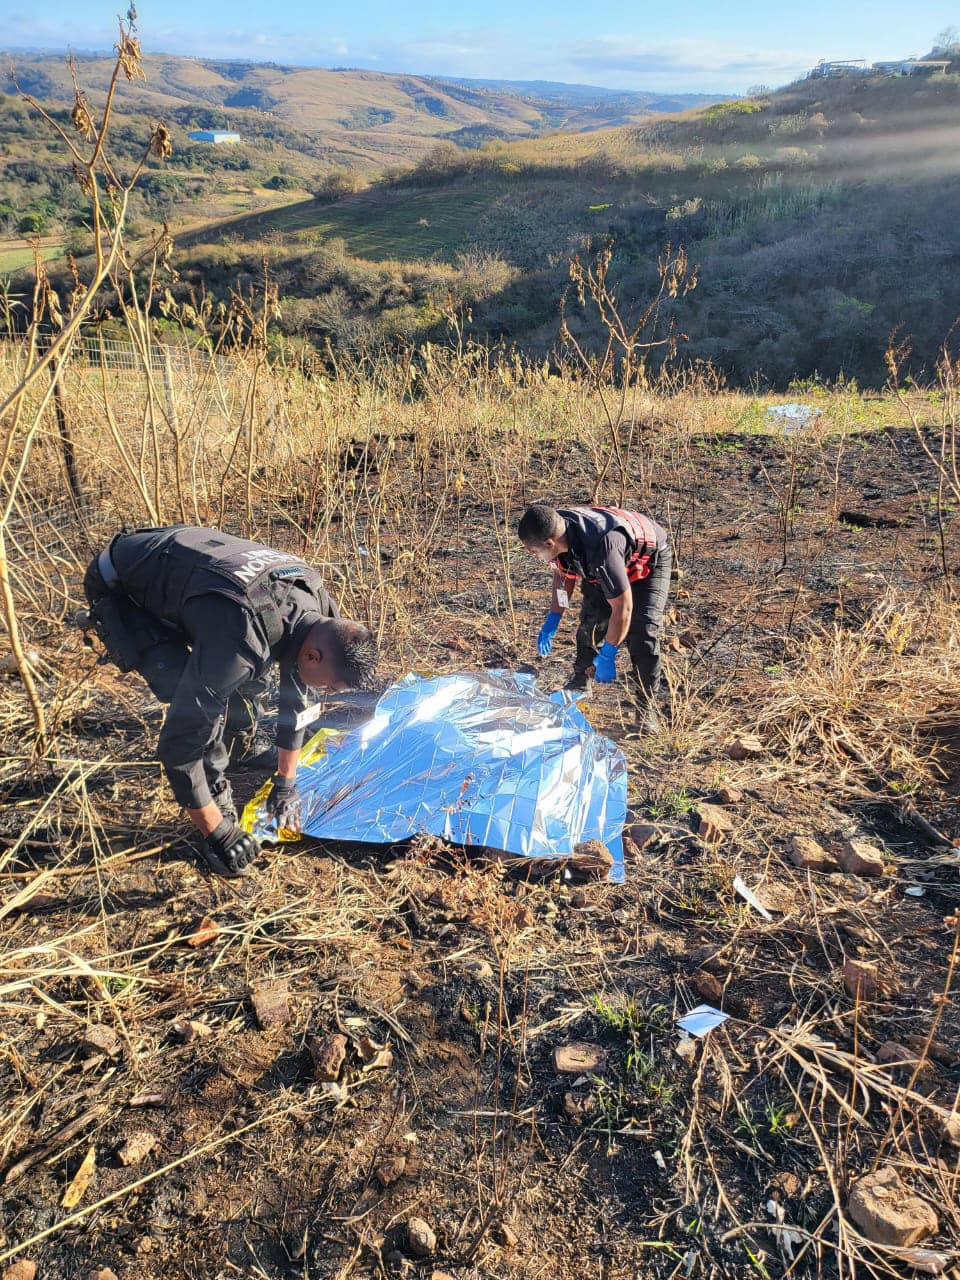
(577,1105)
(579,899)
(707,987)
(22,1270)
(950,1133)
(202,932)
(328,1054)
(440,1275)
(99,1038)
(729,795)
(577,1057)
(136,1147)
(643,834)
(860,859)
(930,1261)
(101,1273)
(388,1171)
(421,1238)
(715,823)
(804,852)
(862,979)
(187,1030)
(505,1236)
(271,1003)
(591,859)
(745,747)
(888,1212)
(785,1184)
(892,1052)
(937,1050)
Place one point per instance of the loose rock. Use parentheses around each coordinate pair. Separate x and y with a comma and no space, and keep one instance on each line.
(388,1171)
(643,834)
(271,1003)
(136,1147)
(505,1236)
(729,795)
(202,932)
(862,979)
(861,859)
(929,1261)
(785,1184)
(715,823)
(592,859)
(478,969)
(945,1054)
(21,1270)
(577,1057)
(100,1038)
(892,1052)
(888,1212)
(187,1030)
(328,1054)
(420,1238)
(101,1273)
(577,1105)
(804,852)
(745,748)
(950,1133)
(707,987)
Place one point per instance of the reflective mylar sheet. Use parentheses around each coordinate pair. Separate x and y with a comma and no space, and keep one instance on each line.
(476,759)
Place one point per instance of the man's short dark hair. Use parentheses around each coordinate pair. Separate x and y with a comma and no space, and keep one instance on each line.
(538,523)
(355,652)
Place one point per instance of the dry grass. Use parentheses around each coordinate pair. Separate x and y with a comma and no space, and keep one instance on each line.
(402,482)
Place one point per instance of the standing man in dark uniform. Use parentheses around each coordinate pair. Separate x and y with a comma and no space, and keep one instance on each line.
(623,560)
(202,616)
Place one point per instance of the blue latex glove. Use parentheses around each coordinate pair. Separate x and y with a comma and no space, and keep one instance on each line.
(605,666)
(547,632)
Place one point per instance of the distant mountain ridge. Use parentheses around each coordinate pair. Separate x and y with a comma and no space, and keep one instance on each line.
(365,118)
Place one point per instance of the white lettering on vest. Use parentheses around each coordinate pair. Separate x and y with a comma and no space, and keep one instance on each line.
(257,562)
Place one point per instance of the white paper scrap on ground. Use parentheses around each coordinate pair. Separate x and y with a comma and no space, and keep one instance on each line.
(792,418)
(749,896)
(701,1020)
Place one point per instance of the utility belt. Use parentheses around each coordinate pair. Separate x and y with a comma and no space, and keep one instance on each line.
(125,630)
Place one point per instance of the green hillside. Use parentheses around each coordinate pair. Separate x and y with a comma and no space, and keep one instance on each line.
(821,216)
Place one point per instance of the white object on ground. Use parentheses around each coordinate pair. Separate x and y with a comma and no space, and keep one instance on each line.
(701,1020)
(749,896)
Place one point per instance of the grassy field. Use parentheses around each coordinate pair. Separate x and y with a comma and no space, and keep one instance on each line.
(407,225)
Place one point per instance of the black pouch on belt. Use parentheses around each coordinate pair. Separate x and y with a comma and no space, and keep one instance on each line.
(108,615)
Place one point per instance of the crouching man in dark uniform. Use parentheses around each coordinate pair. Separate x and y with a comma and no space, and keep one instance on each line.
(202,615)
(623,561)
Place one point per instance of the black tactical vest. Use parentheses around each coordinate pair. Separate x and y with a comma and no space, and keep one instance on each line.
(161,569)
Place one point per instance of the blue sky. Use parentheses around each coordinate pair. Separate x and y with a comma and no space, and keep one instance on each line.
(688,46)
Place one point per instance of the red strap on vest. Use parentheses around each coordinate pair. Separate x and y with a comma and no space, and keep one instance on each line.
(645,536)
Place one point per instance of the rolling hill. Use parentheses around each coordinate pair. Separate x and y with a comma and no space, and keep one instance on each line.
(365,119)
(821,216)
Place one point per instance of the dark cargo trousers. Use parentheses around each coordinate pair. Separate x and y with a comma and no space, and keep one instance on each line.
(137,641)
(643,639)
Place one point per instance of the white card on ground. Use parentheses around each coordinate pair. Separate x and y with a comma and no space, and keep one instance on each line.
(702,1019)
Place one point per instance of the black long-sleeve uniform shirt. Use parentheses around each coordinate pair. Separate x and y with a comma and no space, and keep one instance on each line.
(229,647)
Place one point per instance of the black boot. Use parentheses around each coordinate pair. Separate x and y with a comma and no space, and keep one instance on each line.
(579,682)
(255,750)
(222,795)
